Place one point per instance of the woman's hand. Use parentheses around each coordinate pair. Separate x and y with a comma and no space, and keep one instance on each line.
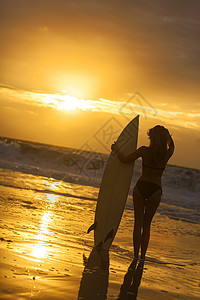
(169,136)
(114,147)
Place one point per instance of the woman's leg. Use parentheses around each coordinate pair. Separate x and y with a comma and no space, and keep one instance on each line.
(139,203)
(150,209)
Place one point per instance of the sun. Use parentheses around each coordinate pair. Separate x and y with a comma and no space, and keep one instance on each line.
(60,101)
(67,102)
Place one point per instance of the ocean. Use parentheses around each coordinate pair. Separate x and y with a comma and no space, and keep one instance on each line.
(48,198)
(181,186)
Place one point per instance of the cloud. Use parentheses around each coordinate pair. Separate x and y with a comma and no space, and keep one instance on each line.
(135,105)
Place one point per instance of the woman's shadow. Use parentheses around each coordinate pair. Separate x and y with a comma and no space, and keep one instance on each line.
(95,277)
(132,280)
(94,281)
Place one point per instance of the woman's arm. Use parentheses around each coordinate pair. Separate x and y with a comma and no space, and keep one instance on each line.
(129,158)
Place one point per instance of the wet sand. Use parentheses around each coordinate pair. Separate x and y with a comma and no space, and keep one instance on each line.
(45,252)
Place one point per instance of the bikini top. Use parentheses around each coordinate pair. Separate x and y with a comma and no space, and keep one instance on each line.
(152,167)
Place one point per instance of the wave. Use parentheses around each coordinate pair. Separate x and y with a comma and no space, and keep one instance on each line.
(78,165)
(60,163)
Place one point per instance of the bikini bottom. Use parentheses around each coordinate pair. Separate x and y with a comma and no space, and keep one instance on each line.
(147,188)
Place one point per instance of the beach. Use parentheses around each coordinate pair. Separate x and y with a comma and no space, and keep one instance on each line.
(45,252)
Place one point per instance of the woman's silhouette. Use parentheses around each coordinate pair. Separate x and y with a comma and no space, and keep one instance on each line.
(147,191)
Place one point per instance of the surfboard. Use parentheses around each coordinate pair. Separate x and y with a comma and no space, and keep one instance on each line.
(114,188)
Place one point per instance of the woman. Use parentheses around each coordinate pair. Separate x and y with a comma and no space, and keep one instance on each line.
(147,191)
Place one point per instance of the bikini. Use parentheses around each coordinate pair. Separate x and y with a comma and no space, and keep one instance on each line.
(147,188)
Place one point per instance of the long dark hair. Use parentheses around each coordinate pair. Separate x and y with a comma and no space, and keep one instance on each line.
(159,141)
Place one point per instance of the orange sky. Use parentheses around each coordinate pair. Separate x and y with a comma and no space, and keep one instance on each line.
(68,67)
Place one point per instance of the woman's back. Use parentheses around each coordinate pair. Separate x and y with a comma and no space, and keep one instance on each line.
(153,167)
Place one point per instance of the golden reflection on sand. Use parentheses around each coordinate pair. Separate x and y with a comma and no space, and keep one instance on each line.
(51,198)
(40,248)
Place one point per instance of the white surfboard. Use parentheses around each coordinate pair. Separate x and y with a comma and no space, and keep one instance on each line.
(114,188)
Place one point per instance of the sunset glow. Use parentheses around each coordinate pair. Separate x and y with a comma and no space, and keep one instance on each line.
(67,68)
(129,108)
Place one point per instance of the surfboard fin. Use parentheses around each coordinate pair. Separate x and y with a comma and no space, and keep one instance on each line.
(92,227)
(109,235)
